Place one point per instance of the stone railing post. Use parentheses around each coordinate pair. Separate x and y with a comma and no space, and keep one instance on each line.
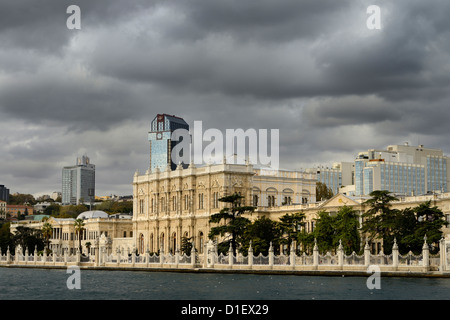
(147,257)
(395,255)
(271,255)
(161,256)
(177,258)
(35,255)
(26,255)
(118,256)
(44,256)
(230,256)
(8,256)
(315,255)
(443,255)
(292,255)
(193,256)
(340,254)
(78,256)
(133,257)
(97,252)
(53,257)
(425,255)
(250,256)
(366,254)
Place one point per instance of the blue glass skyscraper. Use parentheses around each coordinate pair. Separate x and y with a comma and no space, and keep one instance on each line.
(161,145)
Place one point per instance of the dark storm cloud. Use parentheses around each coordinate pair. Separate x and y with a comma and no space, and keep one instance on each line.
(41,25)
(262,21)
(309,68)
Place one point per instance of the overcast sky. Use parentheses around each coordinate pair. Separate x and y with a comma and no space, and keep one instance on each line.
(312,69)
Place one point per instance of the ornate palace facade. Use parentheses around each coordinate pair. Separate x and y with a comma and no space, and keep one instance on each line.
(170,205)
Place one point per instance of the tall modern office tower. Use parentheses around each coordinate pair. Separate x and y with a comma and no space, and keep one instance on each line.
(4,193)
(78,182)
(161,145)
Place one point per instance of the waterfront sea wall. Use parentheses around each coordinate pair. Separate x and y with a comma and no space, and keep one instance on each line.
(337,263)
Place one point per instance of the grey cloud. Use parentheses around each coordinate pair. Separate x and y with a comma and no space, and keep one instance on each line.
(310,68)
(348,110)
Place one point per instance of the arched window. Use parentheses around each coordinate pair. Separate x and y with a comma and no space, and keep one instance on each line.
(151,243)
(141,244)
(200,241)
(174,242)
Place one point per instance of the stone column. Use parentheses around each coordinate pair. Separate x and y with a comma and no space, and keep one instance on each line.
(97,252)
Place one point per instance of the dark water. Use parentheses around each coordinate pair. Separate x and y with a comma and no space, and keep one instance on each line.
(44,284)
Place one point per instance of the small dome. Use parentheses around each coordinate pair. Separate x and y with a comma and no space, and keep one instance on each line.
(93,214)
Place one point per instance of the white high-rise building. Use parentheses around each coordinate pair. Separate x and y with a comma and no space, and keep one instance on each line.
(78,182)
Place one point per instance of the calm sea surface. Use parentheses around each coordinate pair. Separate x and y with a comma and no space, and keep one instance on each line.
(44,284)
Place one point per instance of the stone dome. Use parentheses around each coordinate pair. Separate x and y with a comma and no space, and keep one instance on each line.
(93,214)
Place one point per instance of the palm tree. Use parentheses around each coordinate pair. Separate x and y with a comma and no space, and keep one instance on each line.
(88,247)
(47,231)
(79,227)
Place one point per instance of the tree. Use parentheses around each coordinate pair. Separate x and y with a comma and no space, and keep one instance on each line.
(323,192)
(6,238)
(88,247)
(28,238)
(417,223)
(290,226)
(325,231)
(52,210)
(347,230)
(186,246)
(22,199)
(262,232)
(234,224)
(380,219)
(79,227)
(47,231)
